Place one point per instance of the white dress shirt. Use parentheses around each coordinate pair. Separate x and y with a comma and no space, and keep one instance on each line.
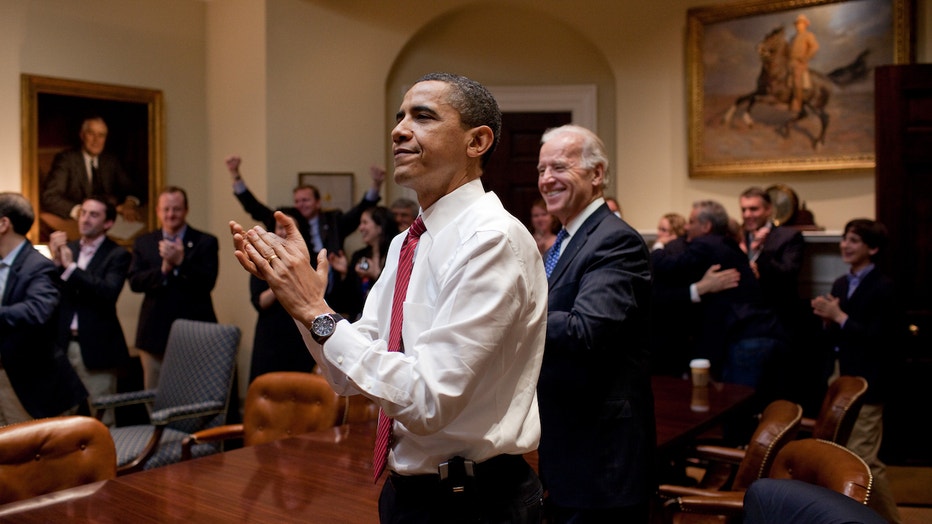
(474,332)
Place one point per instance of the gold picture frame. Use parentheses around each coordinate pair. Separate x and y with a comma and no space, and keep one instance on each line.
(52,112)
(738,123)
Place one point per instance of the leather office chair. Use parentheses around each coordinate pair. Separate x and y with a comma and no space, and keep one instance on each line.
(356,408)
(193,394)
(280,404)
(809,460)
(778,425)
(51,454)
(839,411)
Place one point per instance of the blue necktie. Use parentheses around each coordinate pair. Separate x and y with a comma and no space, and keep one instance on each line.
(553,254)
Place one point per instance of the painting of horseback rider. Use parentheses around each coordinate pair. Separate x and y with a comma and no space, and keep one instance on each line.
(776,88)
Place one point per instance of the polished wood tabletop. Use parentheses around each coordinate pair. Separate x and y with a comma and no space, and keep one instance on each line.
(318,477)
(684,412)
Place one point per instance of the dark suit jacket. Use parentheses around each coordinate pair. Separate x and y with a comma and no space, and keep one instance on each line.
(675,319)
(277,345)
(40,373)
(67,185)
(596,405)
(335,225)
(867,345)
(727,316)
(184,293)
(92,293)
(779,264)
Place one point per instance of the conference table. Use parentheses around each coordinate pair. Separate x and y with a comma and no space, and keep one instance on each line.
(317,477)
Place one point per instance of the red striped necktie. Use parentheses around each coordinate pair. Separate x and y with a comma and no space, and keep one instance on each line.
(383,434)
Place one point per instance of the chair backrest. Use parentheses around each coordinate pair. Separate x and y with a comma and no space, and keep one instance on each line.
(779,424)
(51,454)
(287,403)
(825,464)
(198,367)
(840,409)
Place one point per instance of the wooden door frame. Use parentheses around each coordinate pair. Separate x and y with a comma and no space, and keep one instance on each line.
(580,100)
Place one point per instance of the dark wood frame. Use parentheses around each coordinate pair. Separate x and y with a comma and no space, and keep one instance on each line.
(776,161)
(52,112)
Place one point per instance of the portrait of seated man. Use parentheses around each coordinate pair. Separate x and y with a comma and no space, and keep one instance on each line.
(79,172)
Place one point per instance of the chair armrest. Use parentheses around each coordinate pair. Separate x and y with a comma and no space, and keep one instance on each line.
(669,491)
(729,504)
(720,453)
(806,426)
(124,399)
(198,409)
(228,431)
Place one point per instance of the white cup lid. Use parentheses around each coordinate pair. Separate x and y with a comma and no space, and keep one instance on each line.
(702,363)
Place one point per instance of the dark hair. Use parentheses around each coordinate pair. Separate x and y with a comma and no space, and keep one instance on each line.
(713,213)
(475,104)
(555,225)
(176,189)
(313,189)
(15,207)
(384,218)
(872,233)
(110,212)
(755,191)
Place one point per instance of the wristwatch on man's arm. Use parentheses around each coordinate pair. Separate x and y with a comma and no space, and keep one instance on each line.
(323,326)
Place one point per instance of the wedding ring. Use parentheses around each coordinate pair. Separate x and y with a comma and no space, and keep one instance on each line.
(271,258)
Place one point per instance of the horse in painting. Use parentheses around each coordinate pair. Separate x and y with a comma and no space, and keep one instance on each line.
(775,86)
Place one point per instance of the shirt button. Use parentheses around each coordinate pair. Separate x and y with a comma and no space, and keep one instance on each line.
(339,360)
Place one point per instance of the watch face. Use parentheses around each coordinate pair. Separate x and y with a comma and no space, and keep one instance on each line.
(323,325)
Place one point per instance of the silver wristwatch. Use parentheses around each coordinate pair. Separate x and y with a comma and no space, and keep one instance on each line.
(323,326)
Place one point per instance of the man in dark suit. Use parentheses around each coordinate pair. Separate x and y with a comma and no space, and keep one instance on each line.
(596,404)
(81,172)
(36,380)
(176,267)
(320,229)
(776,255)
(91,273)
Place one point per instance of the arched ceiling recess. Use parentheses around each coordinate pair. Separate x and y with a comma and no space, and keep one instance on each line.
(506,46)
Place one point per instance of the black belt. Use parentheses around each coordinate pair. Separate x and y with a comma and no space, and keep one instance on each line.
(74,336)
(503,469)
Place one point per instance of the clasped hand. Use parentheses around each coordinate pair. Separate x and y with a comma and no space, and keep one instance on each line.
(285,264)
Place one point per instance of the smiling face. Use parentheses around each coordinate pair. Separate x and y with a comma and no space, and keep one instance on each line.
(562,179)
(433,150)
(92,222)
(855,252)
(755,212)
(369,231)
(306,203)
(172,211)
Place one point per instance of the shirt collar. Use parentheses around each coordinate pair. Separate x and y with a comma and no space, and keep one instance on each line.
(450,206)
(181,233)
(93,244)
(11,256)
(576,222)
(857,277)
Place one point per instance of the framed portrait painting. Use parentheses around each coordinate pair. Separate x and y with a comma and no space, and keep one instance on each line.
(55,113)
(787,85)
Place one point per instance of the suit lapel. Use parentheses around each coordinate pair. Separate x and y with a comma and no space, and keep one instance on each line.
(577,241)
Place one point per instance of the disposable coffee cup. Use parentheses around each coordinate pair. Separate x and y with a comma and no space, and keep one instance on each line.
(699,368)
(700,399)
